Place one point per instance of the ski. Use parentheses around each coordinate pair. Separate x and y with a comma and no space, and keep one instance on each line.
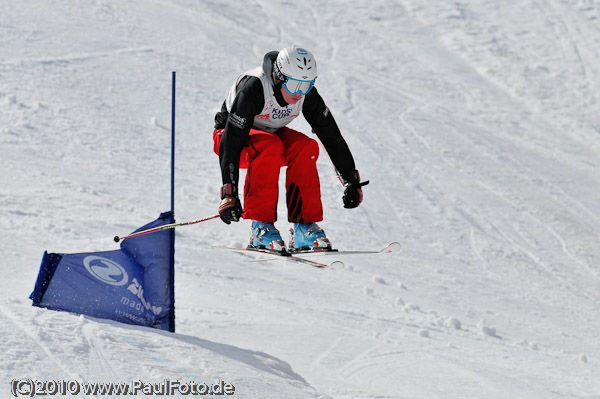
(388,249)
(297,255)
(287,256)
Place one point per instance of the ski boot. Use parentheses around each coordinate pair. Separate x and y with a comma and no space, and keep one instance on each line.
(265,236)
(308,237)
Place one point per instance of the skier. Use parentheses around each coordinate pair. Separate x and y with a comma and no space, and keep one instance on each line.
(250,132)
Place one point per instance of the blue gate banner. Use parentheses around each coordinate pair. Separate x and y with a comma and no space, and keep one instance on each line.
(133,285)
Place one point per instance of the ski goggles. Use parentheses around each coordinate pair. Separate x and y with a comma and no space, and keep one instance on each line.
(295,86)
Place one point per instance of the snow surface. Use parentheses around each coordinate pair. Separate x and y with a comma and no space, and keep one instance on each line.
(476,122)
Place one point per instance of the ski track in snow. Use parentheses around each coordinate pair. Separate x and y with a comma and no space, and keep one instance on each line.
(475,123)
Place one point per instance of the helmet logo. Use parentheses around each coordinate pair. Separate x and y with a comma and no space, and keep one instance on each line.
(301,51)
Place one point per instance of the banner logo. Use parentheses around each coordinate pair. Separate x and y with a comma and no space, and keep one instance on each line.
(106,270)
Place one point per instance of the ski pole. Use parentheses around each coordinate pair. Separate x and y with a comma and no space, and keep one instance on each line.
(332,165)
(164,227)
(336,171)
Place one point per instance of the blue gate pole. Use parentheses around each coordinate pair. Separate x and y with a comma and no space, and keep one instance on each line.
(172,266)
(173,146)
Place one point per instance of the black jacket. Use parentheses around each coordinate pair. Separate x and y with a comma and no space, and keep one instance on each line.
(250,101)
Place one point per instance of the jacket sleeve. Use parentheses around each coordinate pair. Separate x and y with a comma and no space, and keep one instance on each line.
(323,124)
(248,103)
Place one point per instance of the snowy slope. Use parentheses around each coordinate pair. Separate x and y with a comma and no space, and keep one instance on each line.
(476,123)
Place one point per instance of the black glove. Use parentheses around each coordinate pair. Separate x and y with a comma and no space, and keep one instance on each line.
(230,208)
(353,194)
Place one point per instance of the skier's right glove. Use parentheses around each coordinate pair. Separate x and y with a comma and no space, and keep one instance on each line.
(353,194)
(230,208)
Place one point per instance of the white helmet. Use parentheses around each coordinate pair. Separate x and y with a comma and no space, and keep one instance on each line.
(296,68)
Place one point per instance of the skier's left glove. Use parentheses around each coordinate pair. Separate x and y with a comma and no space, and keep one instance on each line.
(230,208)
(353,194)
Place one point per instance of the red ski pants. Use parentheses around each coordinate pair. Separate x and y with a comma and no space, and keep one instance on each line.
(263,156)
